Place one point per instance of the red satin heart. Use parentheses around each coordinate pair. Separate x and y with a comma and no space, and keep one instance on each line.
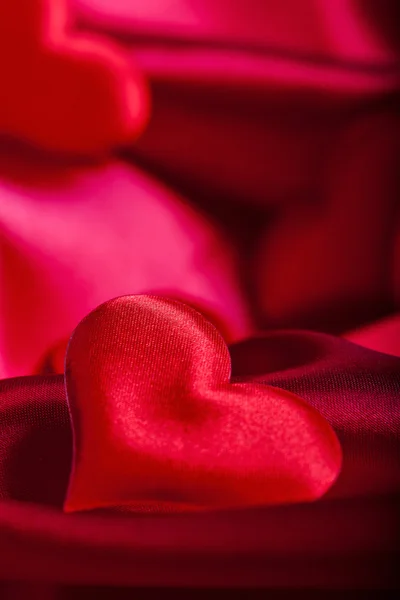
(62,91)
(158,426)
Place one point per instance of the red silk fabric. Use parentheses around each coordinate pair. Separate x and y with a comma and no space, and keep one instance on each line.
(241,157)
(349,538)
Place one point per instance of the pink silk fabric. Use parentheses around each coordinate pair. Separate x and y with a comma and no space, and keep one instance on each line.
(240,157)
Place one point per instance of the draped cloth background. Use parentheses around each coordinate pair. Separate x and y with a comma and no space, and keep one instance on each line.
(263,191)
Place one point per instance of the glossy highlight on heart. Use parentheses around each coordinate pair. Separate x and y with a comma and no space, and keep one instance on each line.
(159,427)
(63,90)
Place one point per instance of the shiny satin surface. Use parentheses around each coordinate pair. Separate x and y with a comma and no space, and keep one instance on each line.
(351,533)
(157,424)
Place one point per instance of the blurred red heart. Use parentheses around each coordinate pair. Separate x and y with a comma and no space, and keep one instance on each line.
(64,91)
(159,427)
